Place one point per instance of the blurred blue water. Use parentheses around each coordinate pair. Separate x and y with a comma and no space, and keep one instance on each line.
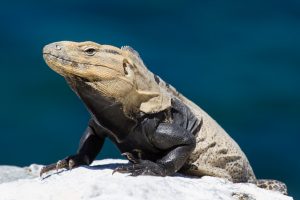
(238,60)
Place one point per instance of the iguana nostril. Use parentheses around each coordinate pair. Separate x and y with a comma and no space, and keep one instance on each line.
(57,47)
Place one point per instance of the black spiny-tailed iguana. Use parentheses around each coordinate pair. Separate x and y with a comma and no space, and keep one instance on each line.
(158,129)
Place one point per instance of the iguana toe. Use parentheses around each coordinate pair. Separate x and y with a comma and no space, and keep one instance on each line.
(67,163)
(143,167)
(47,168)
(62,164)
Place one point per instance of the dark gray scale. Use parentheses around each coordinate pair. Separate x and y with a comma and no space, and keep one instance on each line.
(183,117)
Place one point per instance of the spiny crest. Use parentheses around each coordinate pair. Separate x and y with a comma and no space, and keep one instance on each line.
(129,48)
(134,55)
(167,87)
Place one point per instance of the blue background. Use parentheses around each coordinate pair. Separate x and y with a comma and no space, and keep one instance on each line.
(238,60)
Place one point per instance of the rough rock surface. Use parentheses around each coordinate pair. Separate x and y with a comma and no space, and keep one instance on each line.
(12,173)
(97,182)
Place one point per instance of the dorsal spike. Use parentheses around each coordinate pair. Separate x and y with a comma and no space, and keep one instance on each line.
(129,48)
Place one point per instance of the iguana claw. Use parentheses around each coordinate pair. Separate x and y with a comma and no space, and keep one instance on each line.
(142,167)
(67,163)
(61,164)
(47,168)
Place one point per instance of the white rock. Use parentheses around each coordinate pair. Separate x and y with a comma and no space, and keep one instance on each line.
(97,183)
(12,173)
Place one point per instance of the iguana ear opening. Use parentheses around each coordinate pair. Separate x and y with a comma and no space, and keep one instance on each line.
(128,71)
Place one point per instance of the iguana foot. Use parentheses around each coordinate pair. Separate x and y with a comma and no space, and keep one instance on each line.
(69,162)
(141,167)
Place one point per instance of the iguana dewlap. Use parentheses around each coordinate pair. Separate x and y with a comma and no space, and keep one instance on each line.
(159,130)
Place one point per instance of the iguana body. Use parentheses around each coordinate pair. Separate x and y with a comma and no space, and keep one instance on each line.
(159,130)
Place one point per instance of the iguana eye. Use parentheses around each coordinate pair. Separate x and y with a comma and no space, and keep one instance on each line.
(90,51)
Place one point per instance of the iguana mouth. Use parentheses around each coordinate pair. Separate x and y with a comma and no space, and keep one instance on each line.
(73,63)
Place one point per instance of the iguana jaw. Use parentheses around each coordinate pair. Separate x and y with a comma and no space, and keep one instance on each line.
(66,67)
(67,60)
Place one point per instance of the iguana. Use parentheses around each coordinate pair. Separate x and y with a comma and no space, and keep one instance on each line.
(160,131)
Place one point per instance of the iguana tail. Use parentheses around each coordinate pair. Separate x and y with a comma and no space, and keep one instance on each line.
(272,185)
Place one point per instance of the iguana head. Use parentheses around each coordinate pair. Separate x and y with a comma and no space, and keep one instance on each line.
(114,72)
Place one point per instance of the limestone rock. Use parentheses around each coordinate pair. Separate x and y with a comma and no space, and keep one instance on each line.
(96,182)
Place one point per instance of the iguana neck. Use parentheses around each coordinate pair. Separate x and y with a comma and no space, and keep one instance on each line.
(106,111)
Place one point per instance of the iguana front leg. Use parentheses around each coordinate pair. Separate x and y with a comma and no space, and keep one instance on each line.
(178,144)
(91,143)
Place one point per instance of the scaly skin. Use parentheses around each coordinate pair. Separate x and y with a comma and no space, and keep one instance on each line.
(159,130)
